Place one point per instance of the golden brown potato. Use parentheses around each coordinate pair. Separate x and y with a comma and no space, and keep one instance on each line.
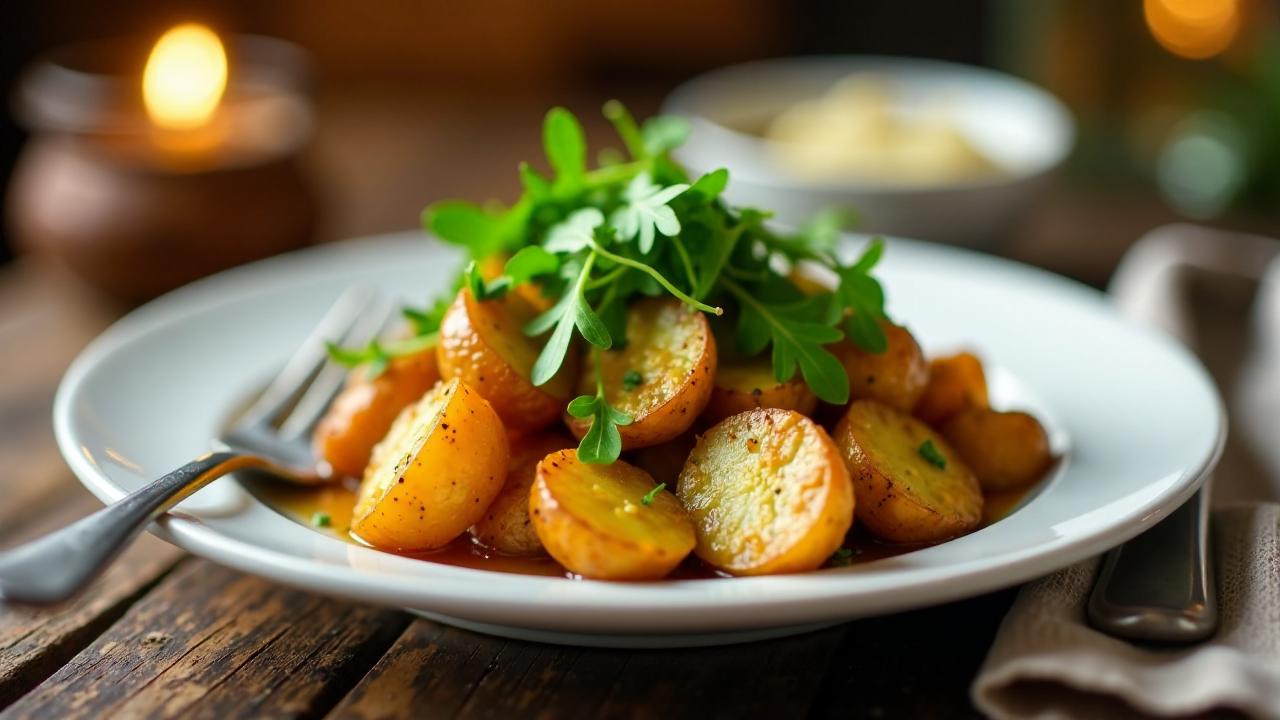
(673,355)
(1006,450)
(593,519)
(363,412)
(495,265)
(506,525)
(956,384)
(749,385)
(903,495)
(896,377)
(768,493)
(440,466)
(483,344)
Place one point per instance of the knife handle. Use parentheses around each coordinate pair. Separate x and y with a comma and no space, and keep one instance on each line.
(1159,586)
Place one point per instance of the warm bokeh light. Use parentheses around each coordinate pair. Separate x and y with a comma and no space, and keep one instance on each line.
(1195,29)
(185,78)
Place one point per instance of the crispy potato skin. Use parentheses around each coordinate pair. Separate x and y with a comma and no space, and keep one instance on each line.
(672,348)
(506,525)
(363,412)
(896,377)
(768,493)
(592,520)
(434,475)
(1006,450)
(483,344)
(746,386)
(901,496)
(956,383)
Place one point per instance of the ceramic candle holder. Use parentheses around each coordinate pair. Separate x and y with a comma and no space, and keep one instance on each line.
(136,211)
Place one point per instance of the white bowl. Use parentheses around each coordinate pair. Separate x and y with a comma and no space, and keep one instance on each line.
(1133,415)
(1024,130)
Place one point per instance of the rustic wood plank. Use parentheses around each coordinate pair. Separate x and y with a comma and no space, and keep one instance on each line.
(211,642)
(917,664)
(435,671)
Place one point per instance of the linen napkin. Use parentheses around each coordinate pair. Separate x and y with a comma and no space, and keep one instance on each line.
(1047,662)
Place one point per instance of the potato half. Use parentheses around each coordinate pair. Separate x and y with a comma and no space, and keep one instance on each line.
(506,525)
(903,496)
(956,384)
(593,519)
(483,344)
(1006,450)
(748,385)
(363,412)
(434,475)
(768,493)
(896,377)
(671,358)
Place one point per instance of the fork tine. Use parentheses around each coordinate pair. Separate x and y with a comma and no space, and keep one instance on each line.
(309,357)
(329,382)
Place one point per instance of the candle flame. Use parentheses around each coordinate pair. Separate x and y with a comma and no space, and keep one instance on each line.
(185,77)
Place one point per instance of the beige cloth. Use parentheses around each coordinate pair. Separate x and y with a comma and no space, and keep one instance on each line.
(1047,662)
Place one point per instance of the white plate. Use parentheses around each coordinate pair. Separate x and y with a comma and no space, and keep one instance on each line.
(1135,416)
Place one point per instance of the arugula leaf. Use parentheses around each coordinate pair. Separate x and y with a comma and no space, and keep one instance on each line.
(664,132)
(482,289)
(376,356)
(530,262)
(461,223)
(709,186)
(861,298)
(565,145)
(576,232)
(603,443)
(537,186)
(796,342)
(571,311)
(646,212)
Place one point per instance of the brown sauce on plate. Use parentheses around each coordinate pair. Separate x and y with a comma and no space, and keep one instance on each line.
(337,502)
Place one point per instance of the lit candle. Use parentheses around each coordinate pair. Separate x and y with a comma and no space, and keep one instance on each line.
(182,86)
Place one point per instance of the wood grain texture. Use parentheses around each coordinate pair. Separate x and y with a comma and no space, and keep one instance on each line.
(435,671)
(210,642)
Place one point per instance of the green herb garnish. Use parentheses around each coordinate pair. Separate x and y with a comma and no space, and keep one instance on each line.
(652,495)
(931,453)
(631,380)
(636,225)
(841,557)
(321,520)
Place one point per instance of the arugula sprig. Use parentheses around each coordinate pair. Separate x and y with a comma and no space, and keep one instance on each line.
(595,238)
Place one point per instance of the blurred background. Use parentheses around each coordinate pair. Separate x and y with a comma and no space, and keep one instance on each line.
(1176,102)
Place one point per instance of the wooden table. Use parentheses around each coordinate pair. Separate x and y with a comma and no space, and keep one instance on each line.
(165,634)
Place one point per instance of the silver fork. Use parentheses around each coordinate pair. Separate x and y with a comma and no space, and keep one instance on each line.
(271,436)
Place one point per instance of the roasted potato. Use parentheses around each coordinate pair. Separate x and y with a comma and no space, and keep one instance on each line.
(484,345)
(363,412)
(434,475)
(1006,450)
(907,492)
(506,526)
(896,377)
(768,493)
(670,356)
(593,519)
(956,384)
(749,385)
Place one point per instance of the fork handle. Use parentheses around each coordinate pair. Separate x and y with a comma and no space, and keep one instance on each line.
(54,567)
(1159,586)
